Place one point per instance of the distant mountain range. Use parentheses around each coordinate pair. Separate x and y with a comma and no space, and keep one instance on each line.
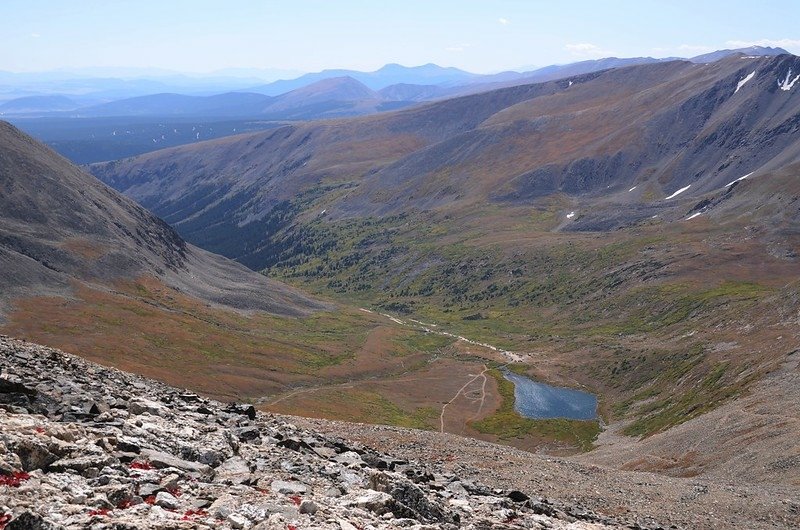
(38,104)
(87,130)
(98,85)
(316,95)
(391,74)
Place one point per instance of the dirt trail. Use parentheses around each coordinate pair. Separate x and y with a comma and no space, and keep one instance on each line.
(429,328)
(511,356)
(460,390)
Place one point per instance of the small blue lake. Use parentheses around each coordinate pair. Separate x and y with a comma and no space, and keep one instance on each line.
(540,401)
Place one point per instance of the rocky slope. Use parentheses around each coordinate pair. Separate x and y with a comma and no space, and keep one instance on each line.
(690,502)
(60,227)
(89,447)
(83,446)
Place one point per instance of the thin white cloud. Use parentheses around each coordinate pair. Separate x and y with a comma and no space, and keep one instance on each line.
(787,44)
(695,48)
(35,35)
(682,50)
(458,47)
(503,21)
(585,49)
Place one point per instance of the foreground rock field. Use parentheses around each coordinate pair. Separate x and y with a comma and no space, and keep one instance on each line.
(83,446)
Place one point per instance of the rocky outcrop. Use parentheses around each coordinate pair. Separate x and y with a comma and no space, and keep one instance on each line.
(83,446)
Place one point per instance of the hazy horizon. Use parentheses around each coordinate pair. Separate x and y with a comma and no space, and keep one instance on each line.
(204,37)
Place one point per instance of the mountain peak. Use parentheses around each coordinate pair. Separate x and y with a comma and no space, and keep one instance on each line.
(750,50)
(342,88)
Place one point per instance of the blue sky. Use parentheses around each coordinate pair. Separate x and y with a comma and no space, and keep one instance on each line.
(310,35)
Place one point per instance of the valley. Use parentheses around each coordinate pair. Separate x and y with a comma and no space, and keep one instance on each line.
(629,259)
(401,265)
(89,140)
(429,276)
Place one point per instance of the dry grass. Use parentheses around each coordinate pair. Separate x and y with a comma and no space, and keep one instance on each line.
(148,328)
(343,364)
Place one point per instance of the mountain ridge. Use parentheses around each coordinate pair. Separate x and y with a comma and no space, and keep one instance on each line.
(450,82)
(483,118)
(59,224)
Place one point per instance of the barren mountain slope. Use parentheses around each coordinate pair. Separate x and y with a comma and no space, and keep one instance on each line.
(60,225)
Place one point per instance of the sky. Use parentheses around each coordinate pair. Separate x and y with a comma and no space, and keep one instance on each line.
(481,36)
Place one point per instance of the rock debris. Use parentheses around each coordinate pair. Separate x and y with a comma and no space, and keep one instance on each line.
(84,446)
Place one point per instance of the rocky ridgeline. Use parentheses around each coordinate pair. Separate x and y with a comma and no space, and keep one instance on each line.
(83,446)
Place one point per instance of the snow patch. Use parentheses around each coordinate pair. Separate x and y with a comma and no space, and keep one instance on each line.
(744,81)
(786,84)
(570,84)
(633,188)
(731,183)
(678,192)
(694,215)
(570,215)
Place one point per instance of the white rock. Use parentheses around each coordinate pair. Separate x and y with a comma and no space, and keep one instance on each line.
(344,525)
(142,405)
(349,458)
(238,521)
(166,500)
(374,501)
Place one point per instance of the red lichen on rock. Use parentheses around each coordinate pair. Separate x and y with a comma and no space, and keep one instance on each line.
(190,514)
(14,479)
(175,492)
